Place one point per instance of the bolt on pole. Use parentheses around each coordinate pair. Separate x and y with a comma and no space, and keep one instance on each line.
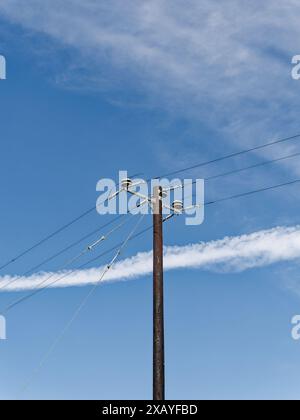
(158,300)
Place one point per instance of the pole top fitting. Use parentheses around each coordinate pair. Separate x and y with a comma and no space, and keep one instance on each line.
(126,183)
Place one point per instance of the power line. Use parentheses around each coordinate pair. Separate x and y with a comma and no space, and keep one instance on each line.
(47,238)
(67,264)
(260,164)
(273,187)
(208,203)
(89,211)
(40,289)
(236,171)
(72,245)
(77,242)
(82,304)
(52,235)
(72,260)
(114,259)
(242,152)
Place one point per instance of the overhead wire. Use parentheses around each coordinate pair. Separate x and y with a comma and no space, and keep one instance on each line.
(86,250)
(82,305)
(39,289)
(89,211)
(231,155)
(235,171)
(52,235)
(209,178)
(72,245)
(131,235)
(207,203)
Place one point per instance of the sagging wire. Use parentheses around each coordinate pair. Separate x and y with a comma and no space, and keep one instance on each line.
(80,307)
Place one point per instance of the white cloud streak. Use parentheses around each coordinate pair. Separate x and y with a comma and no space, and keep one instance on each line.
(229,254)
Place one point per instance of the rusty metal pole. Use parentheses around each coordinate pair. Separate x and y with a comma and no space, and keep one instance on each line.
(158,300)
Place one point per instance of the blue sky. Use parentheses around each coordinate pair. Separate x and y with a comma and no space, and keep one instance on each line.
(150,87)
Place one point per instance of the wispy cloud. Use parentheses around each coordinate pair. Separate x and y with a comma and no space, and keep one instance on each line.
(227,63)
(229,254)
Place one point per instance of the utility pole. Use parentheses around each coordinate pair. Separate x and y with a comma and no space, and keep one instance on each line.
(177,208)
(158,300)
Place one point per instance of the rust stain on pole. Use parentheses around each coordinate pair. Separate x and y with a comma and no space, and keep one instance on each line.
(158,301)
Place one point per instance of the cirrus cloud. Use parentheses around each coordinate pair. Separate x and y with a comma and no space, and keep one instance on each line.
(226,64)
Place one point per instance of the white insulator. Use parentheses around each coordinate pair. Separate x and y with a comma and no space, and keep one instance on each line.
(178,206)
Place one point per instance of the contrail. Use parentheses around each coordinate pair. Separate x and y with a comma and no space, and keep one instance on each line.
(229,254)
